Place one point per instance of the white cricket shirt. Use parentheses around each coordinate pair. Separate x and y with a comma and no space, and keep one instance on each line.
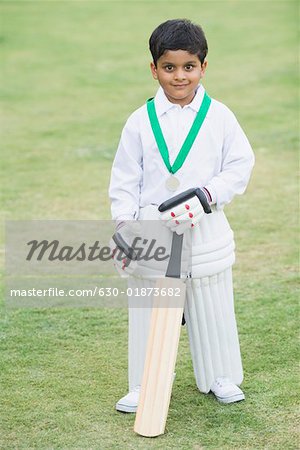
(221,158)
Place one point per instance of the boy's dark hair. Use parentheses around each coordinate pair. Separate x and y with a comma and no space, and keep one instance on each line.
(178,34)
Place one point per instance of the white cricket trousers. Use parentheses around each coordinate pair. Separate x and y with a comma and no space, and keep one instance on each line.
(211,326)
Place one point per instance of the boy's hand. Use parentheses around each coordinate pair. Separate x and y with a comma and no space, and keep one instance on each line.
(184,215)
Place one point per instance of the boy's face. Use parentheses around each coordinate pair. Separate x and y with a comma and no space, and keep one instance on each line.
(179,72)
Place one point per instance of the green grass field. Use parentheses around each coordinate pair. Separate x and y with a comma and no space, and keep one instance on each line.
(71,73)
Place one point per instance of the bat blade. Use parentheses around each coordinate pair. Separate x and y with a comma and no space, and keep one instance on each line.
(160,360)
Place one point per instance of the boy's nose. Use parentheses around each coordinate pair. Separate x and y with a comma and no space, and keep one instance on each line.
(179,75)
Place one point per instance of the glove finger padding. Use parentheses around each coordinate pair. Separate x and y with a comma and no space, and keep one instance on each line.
(124,265)
(191,217)
(184,216)
(183,208)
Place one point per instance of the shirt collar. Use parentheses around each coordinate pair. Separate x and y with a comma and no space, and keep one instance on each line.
(162,104)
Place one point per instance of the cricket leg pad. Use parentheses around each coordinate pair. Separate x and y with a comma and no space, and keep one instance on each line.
(212,330)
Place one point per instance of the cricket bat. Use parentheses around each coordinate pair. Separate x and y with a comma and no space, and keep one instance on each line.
(164,335)
(162,345)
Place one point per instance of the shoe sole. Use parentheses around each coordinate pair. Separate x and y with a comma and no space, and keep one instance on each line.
(232,399)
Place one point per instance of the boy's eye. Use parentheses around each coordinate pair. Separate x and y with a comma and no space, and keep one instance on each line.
(170,68)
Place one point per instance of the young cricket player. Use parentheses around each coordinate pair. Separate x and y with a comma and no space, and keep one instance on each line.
(183,139)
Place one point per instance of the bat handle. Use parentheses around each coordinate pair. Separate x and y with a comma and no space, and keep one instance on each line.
(174,266)
(123,246)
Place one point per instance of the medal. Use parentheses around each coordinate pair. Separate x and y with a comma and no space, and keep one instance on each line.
(172,183)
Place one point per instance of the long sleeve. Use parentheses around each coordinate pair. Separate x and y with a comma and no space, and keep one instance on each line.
(237,164)
(126,174)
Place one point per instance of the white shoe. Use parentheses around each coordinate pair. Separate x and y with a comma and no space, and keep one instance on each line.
(129,403)
(226,391)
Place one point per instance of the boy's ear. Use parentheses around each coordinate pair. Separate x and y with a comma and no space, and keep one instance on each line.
(203,67)
(153,70)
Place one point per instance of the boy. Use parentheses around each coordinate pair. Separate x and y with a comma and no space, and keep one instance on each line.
(148,170)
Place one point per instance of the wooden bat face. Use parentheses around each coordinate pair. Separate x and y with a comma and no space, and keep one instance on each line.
(160,358)
(162,348)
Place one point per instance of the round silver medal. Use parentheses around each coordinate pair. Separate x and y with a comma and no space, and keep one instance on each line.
(172,183)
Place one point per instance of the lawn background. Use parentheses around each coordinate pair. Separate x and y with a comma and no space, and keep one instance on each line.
(71,73)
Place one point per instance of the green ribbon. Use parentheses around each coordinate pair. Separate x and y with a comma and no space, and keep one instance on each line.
(187,145)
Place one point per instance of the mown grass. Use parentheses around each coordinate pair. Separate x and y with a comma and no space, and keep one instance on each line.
(72,72)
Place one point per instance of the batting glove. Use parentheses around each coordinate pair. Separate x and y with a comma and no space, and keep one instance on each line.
(184,216)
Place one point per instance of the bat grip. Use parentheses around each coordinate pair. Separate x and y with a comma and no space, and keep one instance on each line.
(123,246)
(183,197)
(174,266)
